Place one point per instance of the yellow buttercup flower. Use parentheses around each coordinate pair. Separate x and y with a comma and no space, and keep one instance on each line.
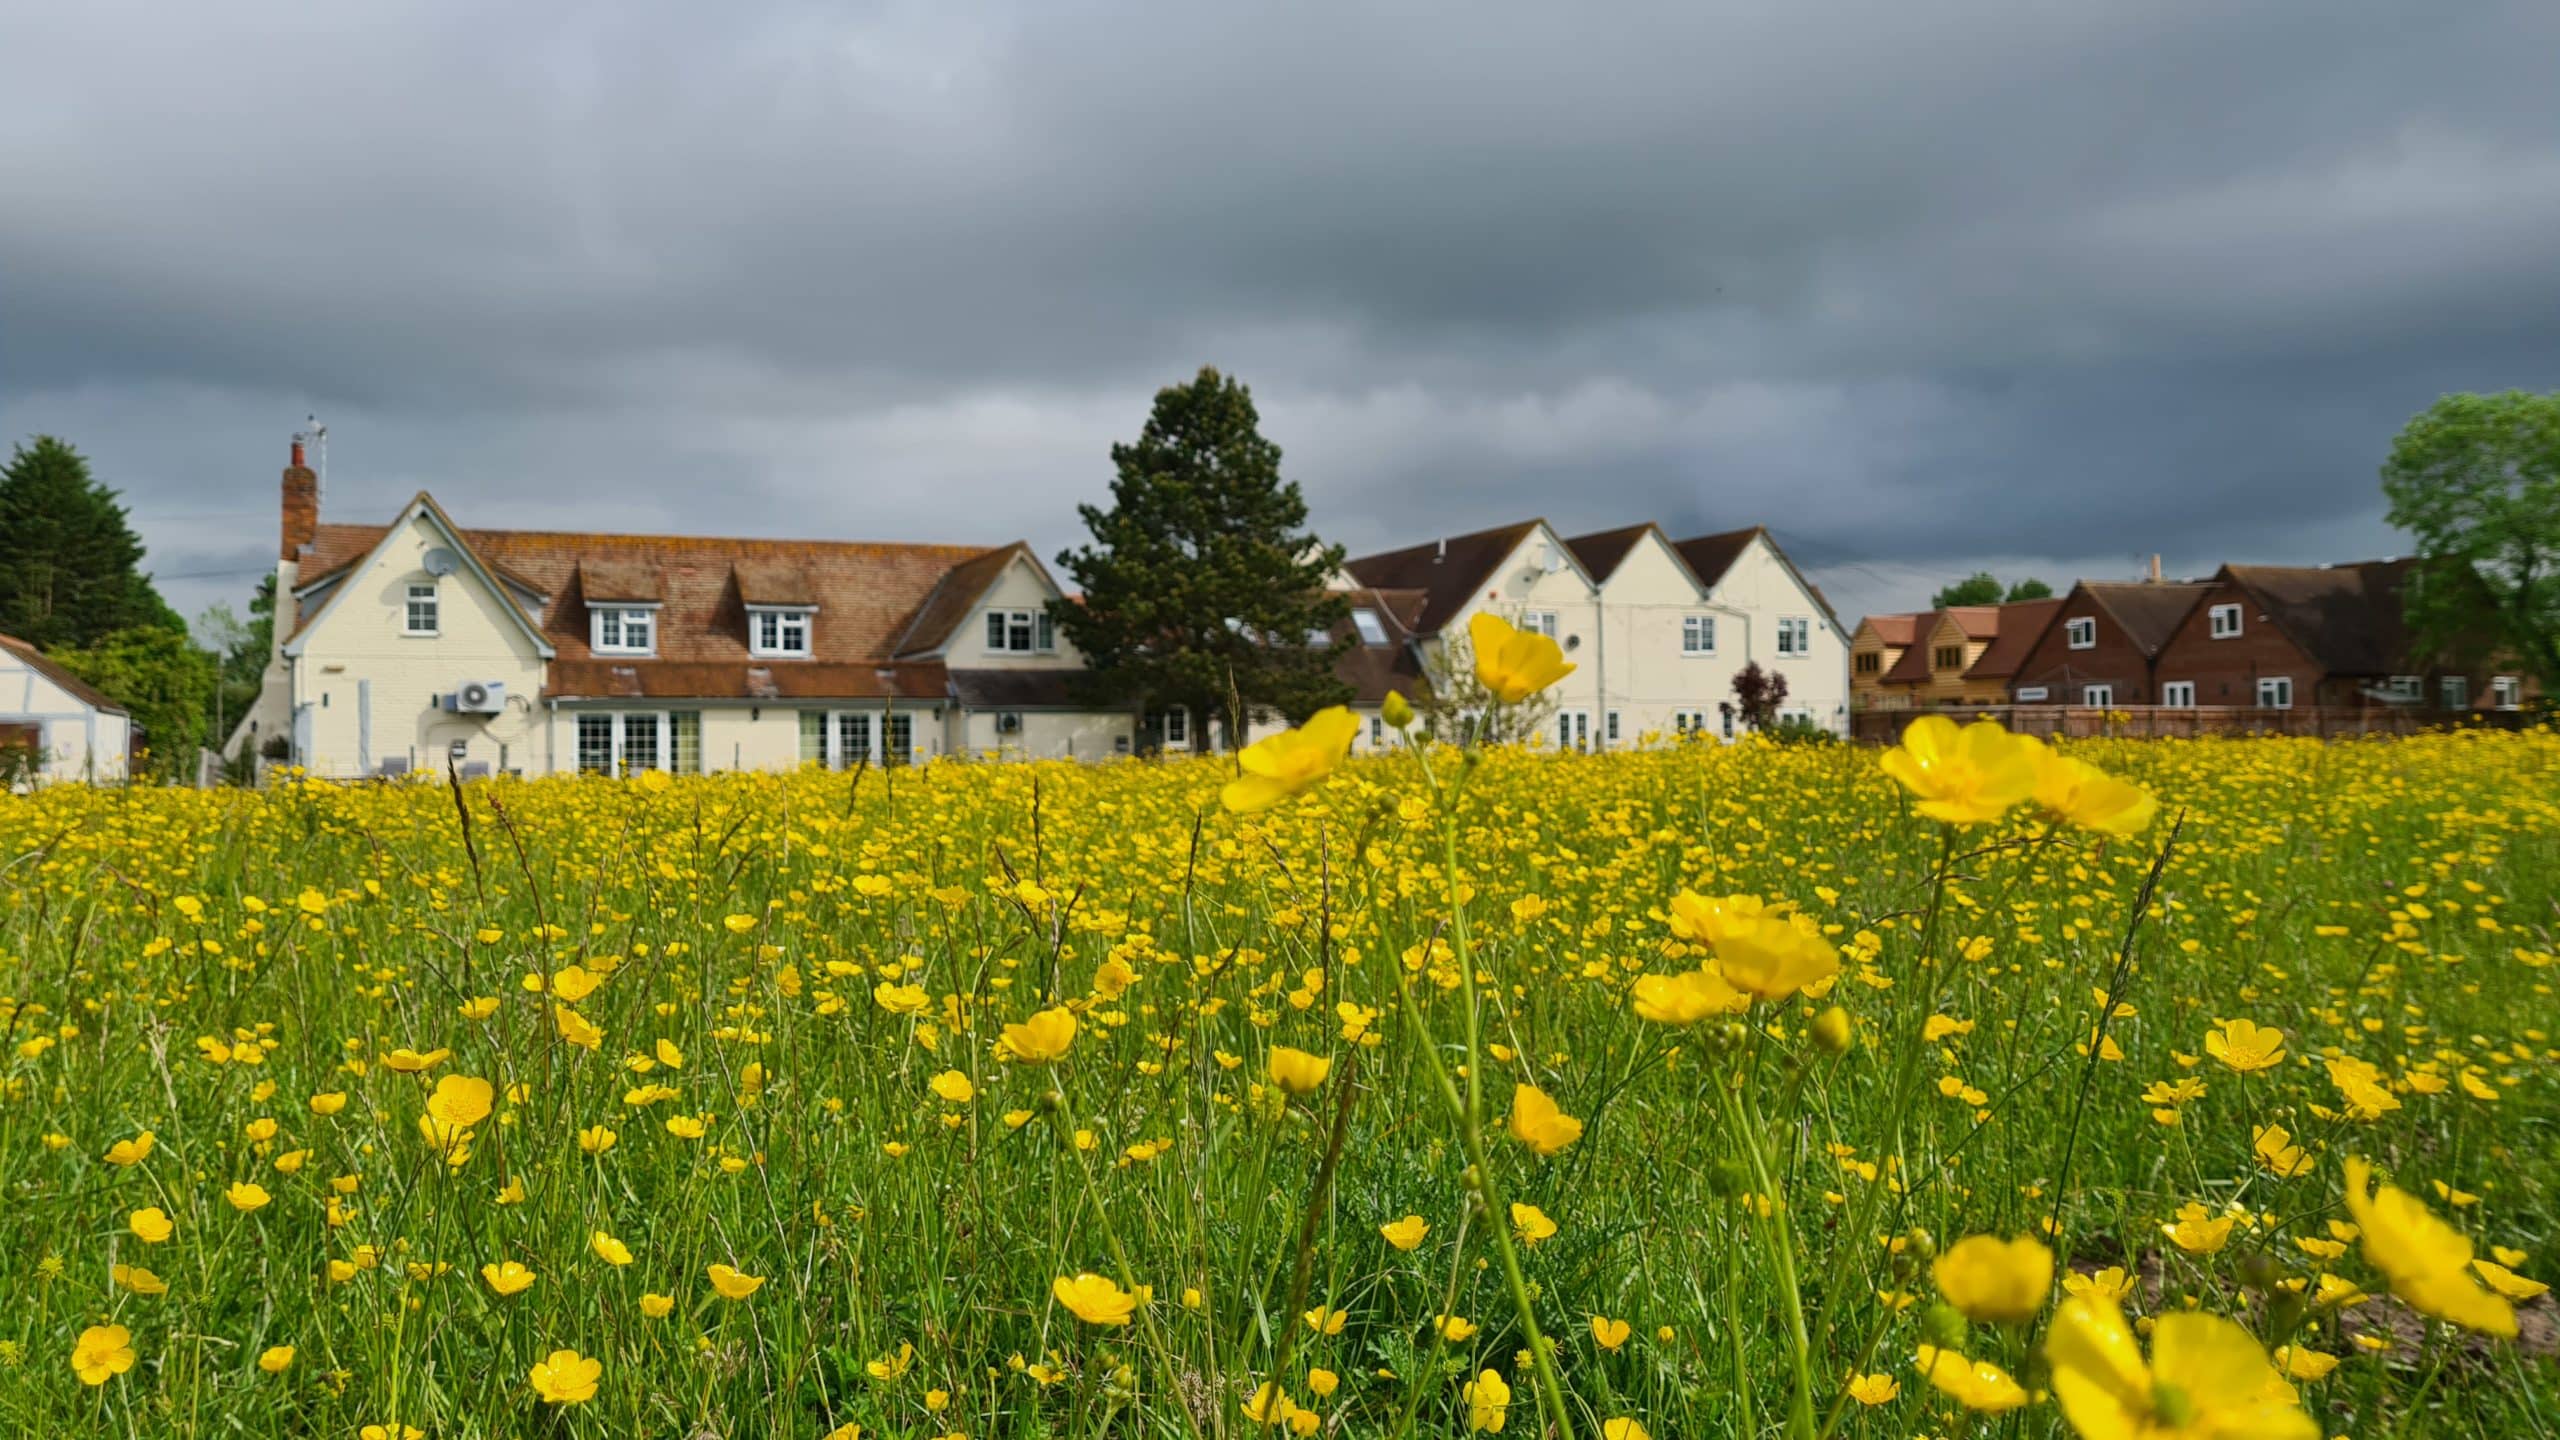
(953,1086)
(1686,998)
(2089,797)
(733,1283)
(1042,1038)
(461,1101)
(276,1359)
(1279,766)
(1774,956)
(102,1353)
(1405,1234)
(2207,1377)
(1531,1223)
(1963,777)
(509,1278)
(133,1151)
(1488,1401)
(1537,1122)
(1877,1389)
(657,1307)
(2246,1045)
(566,1378)
(1513,663)
(1610,1334)
(246,1196)
(1974,1384)
(151,1226)
(2427,1261)
(1624,1428)
(608,1249)
(1094,1299)
(1297,1071)
(1989,1278)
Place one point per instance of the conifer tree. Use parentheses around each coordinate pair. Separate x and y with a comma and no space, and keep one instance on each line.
(70,564)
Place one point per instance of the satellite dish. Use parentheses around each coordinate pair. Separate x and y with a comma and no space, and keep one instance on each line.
(441,561)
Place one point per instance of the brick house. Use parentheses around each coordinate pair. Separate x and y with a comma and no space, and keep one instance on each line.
(1875,647)
(2022,624)
(2103,643)
(2280,636)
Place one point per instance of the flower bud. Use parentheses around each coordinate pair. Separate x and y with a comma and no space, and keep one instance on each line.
(1943,1325)
(1834,1031)
(1397,711)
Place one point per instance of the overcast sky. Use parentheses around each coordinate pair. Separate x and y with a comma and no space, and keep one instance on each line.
(2037,286)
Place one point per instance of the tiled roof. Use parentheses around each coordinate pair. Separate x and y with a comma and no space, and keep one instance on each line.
(1603,552)
(619,580)
(1712,555)
(2148,611)
(1910,668)
(1373,670)
(1448,572)
(77,688)
(2347,618)
(1978,622)
(1900,629)
(867,595)
(954,596)
(2022,624)
(1017,689)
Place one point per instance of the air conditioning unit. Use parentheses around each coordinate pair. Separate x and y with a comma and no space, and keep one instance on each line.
(1009,723)
(478,697)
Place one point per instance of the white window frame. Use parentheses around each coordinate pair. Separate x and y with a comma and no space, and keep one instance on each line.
(2080,632)
(784,620)
(2222,622)
(609,629)
(1174,727)
(852,737)
(1541,621)
(622,728)
(1609,728)
(2454,691)
(2412,688)
(2279,686)
(1573,729)
(1697,635)
(2506,692)
(427,598)
(2031,694)
(2100,695)
(1795,636)
(1036,631)
(1373,631)
(1688,722)
(2178,694)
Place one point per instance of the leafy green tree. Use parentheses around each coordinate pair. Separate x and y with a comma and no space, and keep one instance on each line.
(159,676)
(1203,587)
(2476,479)
(240,648)
(70,564)
(2029,589)
(1979,588)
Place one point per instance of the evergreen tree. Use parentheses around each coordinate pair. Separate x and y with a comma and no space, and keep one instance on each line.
(1203,588)
(166,683)
(70,565)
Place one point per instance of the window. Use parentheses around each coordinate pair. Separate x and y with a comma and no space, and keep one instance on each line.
(2457,691)
(2225,620)
(2029,694)
(1697,634)
(778,634)
(897,738)
(2411,688)
(842,739)
(813,737)
(2081,632)
(1688,722)
(1573,729)
(2178,694)
(1173,728)
(1950,657)
(1609,731)
(1870,663)
(1795,635)
(623,630)
(2097,694)
(422,608)
(1727,711)
(1377,731)
(1542,621)
(2275,692)
(1373,631)
(631,741)
(2506,692)
(1021,632)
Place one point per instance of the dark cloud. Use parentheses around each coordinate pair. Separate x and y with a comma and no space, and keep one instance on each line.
(1921,287)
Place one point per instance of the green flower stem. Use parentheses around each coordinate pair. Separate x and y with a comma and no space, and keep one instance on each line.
(1742,1117)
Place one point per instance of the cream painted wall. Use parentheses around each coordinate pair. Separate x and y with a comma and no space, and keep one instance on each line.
(1522,584)
(357,669)
(78,742)
(1018,588)
(1650,680)
(1047,735)
(1760,585)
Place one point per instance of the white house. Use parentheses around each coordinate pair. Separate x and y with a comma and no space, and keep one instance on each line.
(62,728)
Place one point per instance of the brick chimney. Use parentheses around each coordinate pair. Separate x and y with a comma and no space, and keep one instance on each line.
(301,506)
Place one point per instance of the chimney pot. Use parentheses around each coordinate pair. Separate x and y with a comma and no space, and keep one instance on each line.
(297,454)
(301,507)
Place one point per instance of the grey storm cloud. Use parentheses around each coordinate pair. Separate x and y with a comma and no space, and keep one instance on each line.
(1920,287)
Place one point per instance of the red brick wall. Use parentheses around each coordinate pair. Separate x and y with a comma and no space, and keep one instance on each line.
(301,509)
(2226,672)
(2062,671)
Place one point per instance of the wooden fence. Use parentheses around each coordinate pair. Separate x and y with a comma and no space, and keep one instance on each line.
(1883,727)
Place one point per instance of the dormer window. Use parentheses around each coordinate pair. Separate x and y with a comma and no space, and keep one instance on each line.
(1373,631)
(623,630)
(776,632)
(1021,632)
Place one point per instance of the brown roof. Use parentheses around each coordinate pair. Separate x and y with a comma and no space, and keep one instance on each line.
(1448,572)
(619,580)
(1899,629)
(868,595)
(1978,622)
(1712,555)
(1373,670)
(954,596)
(2148,611)
(1603,552)
(1911,667)
(751,680)
(2347,618)
(2022,624)
(1017,689)
(77,688)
